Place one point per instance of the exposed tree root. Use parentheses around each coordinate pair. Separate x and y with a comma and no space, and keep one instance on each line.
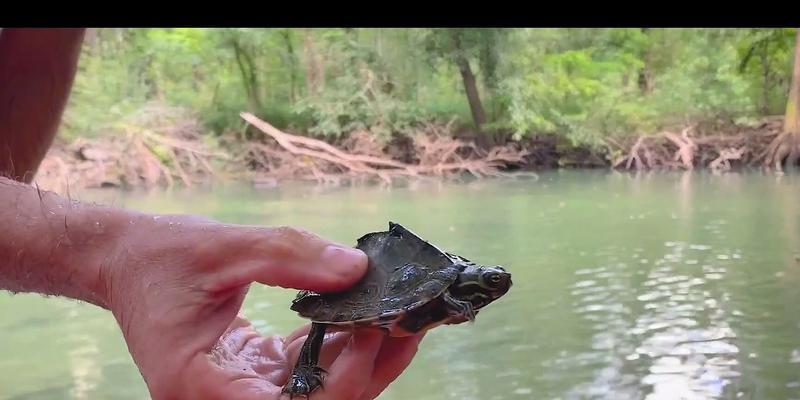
(784,150)
(723,162)
(156,147)
(162,146)
(688,150)
(437,155)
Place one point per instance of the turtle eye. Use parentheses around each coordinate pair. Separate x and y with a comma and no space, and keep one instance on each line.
(493,279)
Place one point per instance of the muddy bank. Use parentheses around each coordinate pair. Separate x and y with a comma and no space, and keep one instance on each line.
(167,147)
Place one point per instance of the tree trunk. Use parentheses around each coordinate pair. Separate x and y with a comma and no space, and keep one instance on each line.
(785,149)
(645,74)
(292,61)
(315,74)
(470,86)
(319,62)
(475,105)
(247,69)
(767,81)
(791,123)
(92,40)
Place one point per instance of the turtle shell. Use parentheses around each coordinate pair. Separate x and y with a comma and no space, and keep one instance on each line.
(404,274)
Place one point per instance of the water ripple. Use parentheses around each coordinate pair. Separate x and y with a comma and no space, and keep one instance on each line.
(669,329)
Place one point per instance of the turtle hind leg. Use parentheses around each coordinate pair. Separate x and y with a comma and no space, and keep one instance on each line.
(307,376)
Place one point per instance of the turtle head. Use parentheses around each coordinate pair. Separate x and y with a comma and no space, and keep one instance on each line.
(481,285)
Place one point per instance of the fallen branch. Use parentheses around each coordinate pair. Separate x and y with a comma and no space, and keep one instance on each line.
(439,155)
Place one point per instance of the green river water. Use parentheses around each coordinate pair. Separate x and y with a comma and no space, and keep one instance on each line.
(658,286)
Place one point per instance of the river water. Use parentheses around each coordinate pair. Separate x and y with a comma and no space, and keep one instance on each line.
(656,286)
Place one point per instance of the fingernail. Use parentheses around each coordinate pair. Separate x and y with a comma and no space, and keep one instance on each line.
(345,258)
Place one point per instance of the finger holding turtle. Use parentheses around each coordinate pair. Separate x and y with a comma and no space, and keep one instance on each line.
(188,278)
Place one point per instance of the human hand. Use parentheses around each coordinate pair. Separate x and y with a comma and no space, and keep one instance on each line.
(176,284)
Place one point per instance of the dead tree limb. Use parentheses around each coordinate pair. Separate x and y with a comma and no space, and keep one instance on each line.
(439,155)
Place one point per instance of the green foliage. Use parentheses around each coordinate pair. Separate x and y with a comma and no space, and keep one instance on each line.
(765,56)
(704,83)
(352,102)
(105,89)
(361,92)
(583,84)
(479,44)
(590,87)
(572,93)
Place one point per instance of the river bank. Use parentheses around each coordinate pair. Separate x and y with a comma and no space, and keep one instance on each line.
(167,147)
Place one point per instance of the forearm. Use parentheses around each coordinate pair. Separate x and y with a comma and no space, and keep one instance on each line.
(37,68)
(54,246)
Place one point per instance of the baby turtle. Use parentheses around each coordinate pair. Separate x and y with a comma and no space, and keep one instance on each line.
(410,286)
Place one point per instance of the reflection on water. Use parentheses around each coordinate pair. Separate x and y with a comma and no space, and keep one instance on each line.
(665,328)
(84,367)
(647,287)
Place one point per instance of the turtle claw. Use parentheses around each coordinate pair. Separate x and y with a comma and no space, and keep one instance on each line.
(304,381)
(470,314)
(462,309)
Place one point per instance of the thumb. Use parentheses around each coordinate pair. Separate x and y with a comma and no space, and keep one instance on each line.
(291,258)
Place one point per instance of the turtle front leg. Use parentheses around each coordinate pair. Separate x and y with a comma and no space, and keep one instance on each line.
(307,375)
(459,308)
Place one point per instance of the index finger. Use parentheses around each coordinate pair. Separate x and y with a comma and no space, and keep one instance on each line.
(288,257)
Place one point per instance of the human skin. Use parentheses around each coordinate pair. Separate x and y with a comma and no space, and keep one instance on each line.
(174,283)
